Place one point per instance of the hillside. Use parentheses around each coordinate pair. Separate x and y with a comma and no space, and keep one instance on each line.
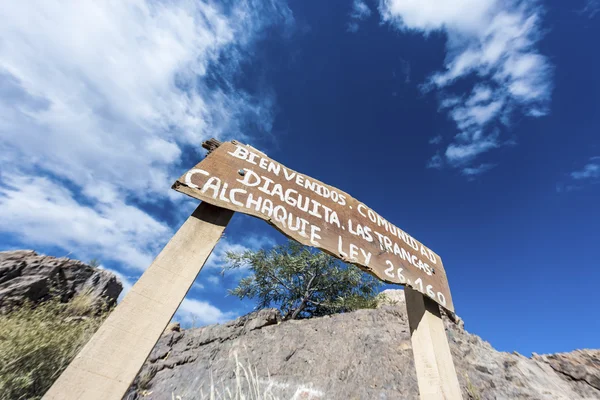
(361,355)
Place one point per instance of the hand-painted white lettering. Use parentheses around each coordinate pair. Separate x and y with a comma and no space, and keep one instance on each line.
(353,252)
(390,270)
(278,191)
(341,248)
(334,220)
(264,187)
(274,168)
(441,298)
(289,199)
(291,227)
(388,244)
(315,209)
(232,193)
(240,152)
(366,256)
(267,208)
(431,256)
(222,195)
(303,228)
(252,157)
(256,203)
(314,236)
(326,211)
(248,176)
(289,175)
(280,215)
(188,177)
(213,183)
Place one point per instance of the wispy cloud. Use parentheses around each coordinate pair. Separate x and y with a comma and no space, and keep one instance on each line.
(591,8)
(41,211)
(492,43)
(98,101)
(589,172)
(436,139)
(478,170)
(198,313)
(360,11)
(217,259)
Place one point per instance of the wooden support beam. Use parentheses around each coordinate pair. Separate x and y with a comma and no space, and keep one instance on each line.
(435,370)
(108,364)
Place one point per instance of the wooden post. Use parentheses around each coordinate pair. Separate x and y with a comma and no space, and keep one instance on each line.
(435,370)
(107,365)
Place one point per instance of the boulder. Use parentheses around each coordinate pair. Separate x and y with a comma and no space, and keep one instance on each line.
(365,354)
(26,275)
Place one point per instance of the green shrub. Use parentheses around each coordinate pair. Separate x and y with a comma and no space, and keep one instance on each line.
(302,282)
(37,342)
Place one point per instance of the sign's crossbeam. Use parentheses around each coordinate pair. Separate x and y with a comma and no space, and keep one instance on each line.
(240,178)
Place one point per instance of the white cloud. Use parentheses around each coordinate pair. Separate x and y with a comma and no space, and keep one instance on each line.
(474,171)
(436,162)
(98,101)
(360,11)
(43,212)
(459,154)
(214,279)
(217,259)
(590,171)
(194,312)
(591,8)
(492,41)
(436,139)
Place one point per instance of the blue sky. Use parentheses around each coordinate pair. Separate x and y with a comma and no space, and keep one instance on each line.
(471,124)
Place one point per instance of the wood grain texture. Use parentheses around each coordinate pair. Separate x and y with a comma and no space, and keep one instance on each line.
(433,361)
(227,180)
(106,366)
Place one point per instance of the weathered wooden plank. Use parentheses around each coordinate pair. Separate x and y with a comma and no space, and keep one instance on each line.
(107,365)
(433,361)
(242,179)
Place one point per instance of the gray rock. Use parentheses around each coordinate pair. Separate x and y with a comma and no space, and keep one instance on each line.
(25,275)
(365,354)
(578,365)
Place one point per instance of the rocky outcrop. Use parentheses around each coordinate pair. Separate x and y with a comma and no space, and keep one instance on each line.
(26,275)
(366,354)
(579,365)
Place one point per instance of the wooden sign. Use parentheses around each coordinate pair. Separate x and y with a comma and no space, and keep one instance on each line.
(240,178)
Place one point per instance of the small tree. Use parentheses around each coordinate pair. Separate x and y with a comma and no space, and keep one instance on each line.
(302,282)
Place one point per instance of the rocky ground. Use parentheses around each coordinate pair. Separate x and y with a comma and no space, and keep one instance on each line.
(26,275)
(361,355)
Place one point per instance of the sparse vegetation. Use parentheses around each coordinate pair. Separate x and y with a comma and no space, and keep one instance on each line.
(472,391)
(37,342)
(248,386)
(94,263)
(302,282)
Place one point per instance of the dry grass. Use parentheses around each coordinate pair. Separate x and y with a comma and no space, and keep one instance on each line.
(38,342)
(247,386)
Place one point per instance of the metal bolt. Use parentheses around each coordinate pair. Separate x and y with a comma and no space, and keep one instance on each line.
(242,172)
(433,270)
